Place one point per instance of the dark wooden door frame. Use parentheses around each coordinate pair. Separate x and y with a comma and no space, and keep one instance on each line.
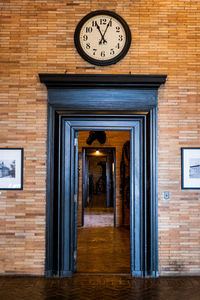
(118,97)
(70,126)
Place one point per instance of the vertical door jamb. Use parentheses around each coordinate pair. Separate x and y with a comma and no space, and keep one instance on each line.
(83,184)
(108,179)
(136,192)
(114,185)
(74,189)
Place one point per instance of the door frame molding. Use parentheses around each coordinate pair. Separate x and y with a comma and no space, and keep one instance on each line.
(118,97)
(135,126)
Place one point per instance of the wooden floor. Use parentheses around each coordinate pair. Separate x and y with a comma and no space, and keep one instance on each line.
(103,250)
(99,287)
(96,258)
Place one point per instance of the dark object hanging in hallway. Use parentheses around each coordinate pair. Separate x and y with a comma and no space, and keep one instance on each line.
(101,182)
(125,183)
(99,135)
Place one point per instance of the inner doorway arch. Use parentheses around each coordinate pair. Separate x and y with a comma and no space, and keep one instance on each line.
(73,99)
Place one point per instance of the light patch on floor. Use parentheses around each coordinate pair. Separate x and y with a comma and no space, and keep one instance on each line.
(98,220)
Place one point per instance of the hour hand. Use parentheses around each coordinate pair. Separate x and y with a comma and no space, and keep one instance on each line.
(102,37)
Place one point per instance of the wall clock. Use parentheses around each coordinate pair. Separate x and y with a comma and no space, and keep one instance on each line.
(102,38)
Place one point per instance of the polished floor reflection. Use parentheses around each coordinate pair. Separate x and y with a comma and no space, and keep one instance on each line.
(103,250)
(98,217)
(98,287)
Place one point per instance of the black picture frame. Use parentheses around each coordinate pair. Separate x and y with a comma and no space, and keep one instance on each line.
(98,62)
(11,168)
(190,168)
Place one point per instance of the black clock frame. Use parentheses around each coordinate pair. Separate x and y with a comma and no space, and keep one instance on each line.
(98,62)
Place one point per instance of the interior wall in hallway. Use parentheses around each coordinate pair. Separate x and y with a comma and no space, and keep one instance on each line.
(37,37)
(114,139)
(96,170)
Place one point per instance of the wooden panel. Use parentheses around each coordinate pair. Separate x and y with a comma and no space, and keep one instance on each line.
(139,91)
(109,99)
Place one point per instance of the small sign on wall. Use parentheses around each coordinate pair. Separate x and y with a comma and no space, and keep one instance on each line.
(11,168)
(190,168)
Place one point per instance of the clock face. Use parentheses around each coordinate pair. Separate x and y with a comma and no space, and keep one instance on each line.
(102,38)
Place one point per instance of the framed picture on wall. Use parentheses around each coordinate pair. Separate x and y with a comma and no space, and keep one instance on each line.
(11,168)
(190,158)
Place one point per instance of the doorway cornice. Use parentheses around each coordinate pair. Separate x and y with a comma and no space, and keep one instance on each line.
(102,81)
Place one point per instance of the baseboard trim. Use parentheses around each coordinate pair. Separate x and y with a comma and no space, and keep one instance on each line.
(66,274)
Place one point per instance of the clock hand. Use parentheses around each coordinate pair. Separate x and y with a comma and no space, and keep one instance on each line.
(102,37)
(102,40)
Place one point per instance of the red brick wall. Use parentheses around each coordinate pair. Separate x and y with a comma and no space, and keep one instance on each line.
(37,37)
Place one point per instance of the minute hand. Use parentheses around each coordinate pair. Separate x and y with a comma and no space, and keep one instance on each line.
(105,32)
(102,37)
